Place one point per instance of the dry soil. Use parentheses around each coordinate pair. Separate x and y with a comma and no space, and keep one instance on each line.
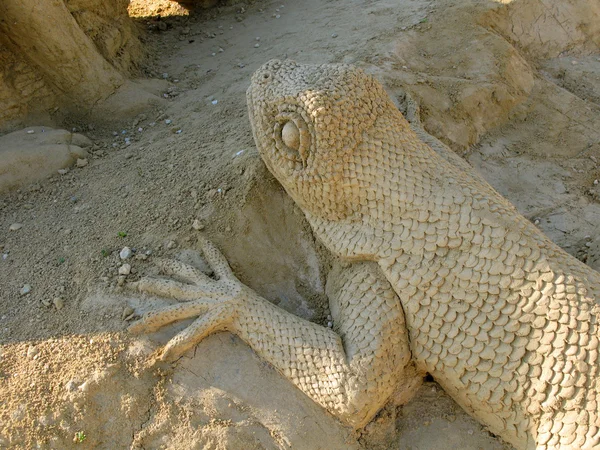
(514,87)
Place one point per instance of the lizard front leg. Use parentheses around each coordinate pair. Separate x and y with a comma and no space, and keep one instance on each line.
(351,370)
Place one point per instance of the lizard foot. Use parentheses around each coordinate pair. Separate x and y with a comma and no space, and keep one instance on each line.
(214,301)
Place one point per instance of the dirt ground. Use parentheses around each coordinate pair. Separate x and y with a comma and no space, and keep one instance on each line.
(514,87)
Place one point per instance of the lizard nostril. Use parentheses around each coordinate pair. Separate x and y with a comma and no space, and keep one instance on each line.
(266,76)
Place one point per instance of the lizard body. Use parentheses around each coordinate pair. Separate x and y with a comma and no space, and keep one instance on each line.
(501,317)
(446,276)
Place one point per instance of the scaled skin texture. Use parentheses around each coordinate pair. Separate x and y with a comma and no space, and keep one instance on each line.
(501,317)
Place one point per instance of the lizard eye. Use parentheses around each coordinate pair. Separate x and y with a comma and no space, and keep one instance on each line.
(292,137)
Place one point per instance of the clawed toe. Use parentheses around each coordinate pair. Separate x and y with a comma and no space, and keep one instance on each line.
(167,288)
(153,320)
(216,319)
(215,259)
(212,300)
(182,271)
(162,287)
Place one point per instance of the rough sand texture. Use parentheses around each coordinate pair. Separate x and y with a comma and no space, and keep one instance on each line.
(529,126)
(81,60)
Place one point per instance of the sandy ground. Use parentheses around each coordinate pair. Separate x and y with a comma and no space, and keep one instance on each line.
(70,375)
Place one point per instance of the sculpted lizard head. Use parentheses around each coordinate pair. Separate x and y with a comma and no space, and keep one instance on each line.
(307,122)
(317,128)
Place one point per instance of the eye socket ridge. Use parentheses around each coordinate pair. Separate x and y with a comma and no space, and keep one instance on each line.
(292,137)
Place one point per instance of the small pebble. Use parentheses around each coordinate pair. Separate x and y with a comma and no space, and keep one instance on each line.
(197,225)
(30,131)
(121,280)
(256,45)
(46,302)
(221,50)
(168,121)
(125,253)
(127,311)
(334,35)
(536,222)
(214,102)
(171,244)
(71,386)
(82,162)
(26,289)
(257,38)
(63,171)
(32,351)
(125,269)
(85,386)
(15,227)
(59,303)
(165,75)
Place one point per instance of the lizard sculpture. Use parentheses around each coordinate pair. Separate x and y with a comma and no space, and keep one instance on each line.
(448,278)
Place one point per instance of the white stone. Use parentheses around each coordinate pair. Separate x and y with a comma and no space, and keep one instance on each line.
(125,253)
(58,303)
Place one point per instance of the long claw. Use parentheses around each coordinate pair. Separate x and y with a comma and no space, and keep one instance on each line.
(215,259)
(174,289)
(217,319)
(183,271)
(153,320)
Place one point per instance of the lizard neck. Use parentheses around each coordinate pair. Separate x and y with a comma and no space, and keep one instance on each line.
(396,186)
